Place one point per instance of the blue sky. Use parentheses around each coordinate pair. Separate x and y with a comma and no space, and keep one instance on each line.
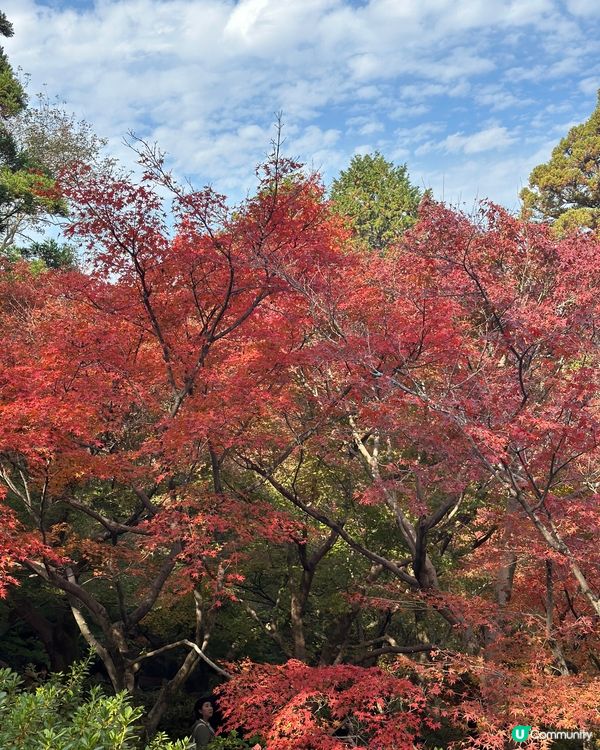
(471,94)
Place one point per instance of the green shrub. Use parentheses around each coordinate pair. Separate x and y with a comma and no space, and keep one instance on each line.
(233,741)
(63,715)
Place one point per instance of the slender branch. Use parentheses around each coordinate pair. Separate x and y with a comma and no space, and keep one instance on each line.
(190,644)
(113,526)
(326,521)
(148,602)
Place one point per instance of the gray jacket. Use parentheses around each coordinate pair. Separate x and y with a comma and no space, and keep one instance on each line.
(202,733)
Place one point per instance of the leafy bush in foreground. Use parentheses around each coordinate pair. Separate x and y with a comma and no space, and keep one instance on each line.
(63,715)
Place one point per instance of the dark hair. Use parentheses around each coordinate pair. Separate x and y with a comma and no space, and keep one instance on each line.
(200,702)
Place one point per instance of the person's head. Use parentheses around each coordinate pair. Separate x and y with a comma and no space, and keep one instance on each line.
(204,708)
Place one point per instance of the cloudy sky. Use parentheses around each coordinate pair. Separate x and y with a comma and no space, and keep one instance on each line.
(471,94)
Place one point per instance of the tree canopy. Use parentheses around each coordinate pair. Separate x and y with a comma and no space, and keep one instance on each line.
(378,199)
(565,191)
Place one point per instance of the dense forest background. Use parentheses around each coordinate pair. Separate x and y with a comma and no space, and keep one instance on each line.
(329,455)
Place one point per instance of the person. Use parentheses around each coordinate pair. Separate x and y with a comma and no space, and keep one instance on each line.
(202,731)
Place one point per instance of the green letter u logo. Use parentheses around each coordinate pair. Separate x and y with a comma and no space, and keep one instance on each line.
(520,733)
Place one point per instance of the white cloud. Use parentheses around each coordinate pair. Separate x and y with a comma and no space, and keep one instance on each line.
(497,97)
(583,7)
(493,138)
(489,139)
(404,111)
(471,180)
(365,125)
(590,85)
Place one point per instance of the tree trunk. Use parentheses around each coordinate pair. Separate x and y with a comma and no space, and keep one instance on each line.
(58,639)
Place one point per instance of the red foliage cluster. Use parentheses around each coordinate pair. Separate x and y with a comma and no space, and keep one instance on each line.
(296,707)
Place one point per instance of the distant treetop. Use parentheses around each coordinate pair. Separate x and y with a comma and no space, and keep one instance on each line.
(6,27)
(565,191)
(378,199)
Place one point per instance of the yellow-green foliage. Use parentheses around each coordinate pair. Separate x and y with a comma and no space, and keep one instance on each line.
(566,190)
(30,189)
(62,715)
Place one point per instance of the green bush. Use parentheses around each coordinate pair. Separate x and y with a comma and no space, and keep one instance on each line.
(63,715)
(233,741)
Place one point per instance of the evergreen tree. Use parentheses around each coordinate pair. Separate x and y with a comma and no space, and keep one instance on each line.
(378,198)
(566,190)
(12,95)
(25,186)
(36,143)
